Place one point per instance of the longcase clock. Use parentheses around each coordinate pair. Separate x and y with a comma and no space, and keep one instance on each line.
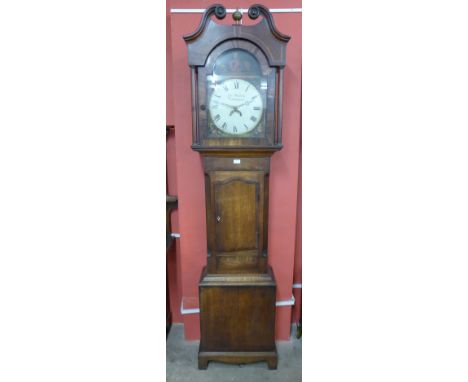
(237,80)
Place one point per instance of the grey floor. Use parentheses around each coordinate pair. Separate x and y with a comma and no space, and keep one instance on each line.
(182,365)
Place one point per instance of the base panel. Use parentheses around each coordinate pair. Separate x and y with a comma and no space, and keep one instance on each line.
(271,357)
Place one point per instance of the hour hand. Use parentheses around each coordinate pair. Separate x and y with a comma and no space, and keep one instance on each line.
(225,104)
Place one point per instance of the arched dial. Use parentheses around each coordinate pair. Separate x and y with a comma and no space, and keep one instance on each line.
(236,106)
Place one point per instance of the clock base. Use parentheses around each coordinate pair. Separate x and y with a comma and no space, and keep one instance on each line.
(237,318)
(239,357)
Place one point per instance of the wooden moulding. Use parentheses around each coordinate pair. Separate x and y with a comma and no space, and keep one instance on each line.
(237,151)
(211,163)
(220,12)
(257,9)
(216,9)
(239,279)
(263,34)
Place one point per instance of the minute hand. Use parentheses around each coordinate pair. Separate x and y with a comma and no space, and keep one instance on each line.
(245,103)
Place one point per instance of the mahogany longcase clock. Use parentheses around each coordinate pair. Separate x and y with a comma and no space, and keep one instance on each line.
(237,76)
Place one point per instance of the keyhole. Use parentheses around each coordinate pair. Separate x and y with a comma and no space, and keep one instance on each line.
(218,218)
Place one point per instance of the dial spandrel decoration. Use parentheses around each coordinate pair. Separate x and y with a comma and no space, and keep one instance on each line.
(237,62)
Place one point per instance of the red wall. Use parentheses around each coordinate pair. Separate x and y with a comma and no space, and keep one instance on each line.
(190,256)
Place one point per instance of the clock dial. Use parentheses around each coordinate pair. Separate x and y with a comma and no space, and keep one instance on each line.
(235,106)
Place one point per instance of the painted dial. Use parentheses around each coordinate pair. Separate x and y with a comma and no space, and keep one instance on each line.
(235,106)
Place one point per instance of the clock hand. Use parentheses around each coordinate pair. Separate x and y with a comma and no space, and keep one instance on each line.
(246,103)
(225,104)
(235,107)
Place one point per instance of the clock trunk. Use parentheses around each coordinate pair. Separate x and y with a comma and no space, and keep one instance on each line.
(237,213)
